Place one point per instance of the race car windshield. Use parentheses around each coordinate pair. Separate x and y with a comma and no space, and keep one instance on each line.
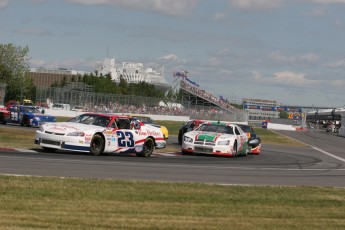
(101,121)
(30,110)
(84,119)
(216,128)
(247,129)
(146,120)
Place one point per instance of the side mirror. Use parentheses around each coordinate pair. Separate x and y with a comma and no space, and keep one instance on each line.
(137,125)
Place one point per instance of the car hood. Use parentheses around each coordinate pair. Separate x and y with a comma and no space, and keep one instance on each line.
(68,127)
(209,136)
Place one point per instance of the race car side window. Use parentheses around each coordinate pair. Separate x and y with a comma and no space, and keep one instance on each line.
(237,131)
(113,125)
(192,126)
(123,124)
(229,130)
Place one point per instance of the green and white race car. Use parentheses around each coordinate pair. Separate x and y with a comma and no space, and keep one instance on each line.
(216,138)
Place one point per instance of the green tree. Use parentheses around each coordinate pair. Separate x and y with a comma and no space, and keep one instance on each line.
(283,115)
(14,63)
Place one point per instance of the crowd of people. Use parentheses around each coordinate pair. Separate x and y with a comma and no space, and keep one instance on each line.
(327,125)
(223,103)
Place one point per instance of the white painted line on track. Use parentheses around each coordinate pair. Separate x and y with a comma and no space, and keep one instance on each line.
(165,154)
(317,149)
(328,154)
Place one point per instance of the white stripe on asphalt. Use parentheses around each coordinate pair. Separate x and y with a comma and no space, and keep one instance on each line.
(318,149)
(328,154)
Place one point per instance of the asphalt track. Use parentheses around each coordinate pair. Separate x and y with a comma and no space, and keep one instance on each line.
(320,163)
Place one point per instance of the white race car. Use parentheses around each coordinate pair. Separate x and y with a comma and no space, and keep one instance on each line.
(218,138)
(100,133)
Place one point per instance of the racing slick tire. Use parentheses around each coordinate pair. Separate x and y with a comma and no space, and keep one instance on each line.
(49,150)
(184,152)
(25,121)
(235,149)
(180,135)
(2,119)
(97,145)
(149,146)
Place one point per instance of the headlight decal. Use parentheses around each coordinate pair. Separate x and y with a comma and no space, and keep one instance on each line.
(76,134)
(225,142)
(187,139)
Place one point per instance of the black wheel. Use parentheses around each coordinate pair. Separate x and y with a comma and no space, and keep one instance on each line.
(97,145)
(247,150)
(184,152)
(235,149)
(180,134)
(149,146)
(49,150)
(25,121)
(2,119)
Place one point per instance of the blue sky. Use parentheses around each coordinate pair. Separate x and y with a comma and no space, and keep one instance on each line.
(291,51)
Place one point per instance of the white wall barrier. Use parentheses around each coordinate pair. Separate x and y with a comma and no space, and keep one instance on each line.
(275,126)
(69,113)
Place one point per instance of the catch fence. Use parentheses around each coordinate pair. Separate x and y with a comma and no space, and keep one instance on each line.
(78,95)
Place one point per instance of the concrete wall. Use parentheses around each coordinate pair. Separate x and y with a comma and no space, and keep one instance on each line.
(275,126)
(69,113)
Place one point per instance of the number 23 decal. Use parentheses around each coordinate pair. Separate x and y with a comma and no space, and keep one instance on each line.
(125,139)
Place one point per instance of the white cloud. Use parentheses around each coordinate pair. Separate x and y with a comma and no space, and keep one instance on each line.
(337,83)
(35,62)
(169,57)
(72,64)
(309,57)
(222,53)
(226,72)
(337,64)
(286,78)
(272,4)
(327,1)
(169,7)
(34,31)
(256,75)
(319,11)
(255,4)
(3,4)
(213,61)
(219,16)
(292,78)
(339,24)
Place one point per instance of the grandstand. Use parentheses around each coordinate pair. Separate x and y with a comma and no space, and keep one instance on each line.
(206,105)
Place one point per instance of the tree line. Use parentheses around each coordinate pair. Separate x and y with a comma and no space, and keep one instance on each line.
(105,84)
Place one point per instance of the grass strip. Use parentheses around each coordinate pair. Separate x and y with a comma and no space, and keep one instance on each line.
(67,203)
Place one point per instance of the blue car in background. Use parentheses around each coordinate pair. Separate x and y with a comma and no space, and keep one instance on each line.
(28,116)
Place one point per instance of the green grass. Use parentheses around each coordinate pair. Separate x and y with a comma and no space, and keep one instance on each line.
(17,138)
(271,137)
(56,203)
(172,126)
